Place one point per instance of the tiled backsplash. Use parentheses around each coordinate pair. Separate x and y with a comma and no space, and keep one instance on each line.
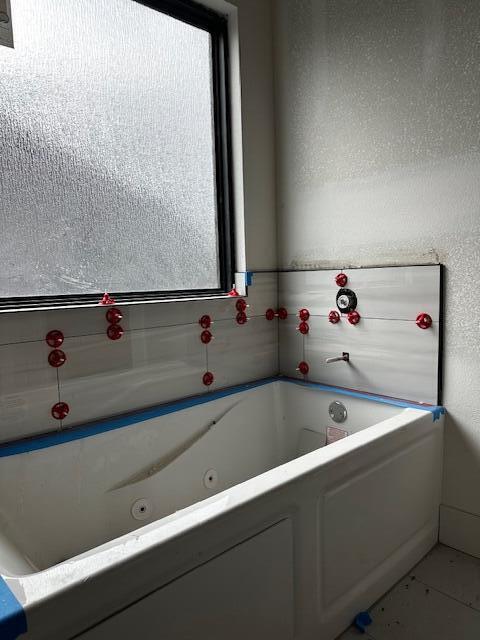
(389,354)
(159,358)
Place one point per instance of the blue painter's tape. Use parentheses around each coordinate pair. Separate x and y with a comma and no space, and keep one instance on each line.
(247,277)
(95,428)
(436,411)
(110,424)
(13,621)
(362,620)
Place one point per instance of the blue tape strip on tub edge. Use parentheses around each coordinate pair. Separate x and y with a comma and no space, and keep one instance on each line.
(45,441)
(436,411)
(13,621)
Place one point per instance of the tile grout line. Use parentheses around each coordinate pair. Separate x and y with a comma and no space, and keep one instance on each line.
(425,584)
(134,330)
(180,324)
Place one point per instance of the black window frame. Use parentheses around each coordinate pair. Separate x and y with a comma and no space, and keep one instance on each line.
(199,16)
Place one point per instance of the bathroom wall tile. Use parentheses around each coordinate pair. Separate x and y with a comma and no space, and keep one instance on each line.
(144,368)
(315,290)
(460,529)
(159,358)
(388,357)
(242,353)
(175,313)
(263,294)
(399,293)
(28,390)
(291,347)
(34,325)
(29,326)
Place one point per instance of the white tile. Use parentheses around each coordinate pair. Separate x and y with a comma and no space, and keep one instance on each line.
(34,325)
(165,314)
(413,611)
(242,353)
(452,572)
(393,358)
(291,347)
(397,293)
(460,530)
(262,294)
(144,368)
(29,326)
(28,390)
(314,290)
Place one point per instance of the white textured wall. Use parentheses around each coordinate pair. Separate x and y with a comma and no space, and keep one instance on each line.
(256,68)
(253,130)
(378,140)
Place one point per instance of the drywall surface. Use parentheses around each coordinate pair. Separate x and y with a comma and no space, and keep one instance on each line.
(378,162)
(256,72)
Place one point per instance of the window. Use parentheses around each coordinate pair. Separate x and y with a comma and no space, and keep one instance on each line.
(114,171)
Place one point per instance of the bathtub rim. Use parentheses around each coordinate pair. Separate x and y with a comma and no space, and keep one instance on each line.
(50,439)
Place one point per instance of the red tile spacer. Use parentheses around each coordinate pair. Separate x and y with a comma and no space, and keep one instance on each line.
(54,338)
(206,336)
(208,378)
(56,358)
(303,328)
(241,317)
(205,322)
(114,332)
(241,305)
(282,313)
(270,314)
(114,316)
(60,410)
(334,317)
(424,321)
(341,279)
(303,368)
(304,314)
(353,317)
(106,299)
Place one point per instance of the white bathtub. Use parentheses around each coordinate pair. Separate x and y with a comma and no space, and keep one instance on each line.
(243,538)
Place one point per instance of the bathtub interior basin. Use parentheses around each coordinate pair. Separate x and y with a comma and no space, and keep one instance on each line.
(62,498)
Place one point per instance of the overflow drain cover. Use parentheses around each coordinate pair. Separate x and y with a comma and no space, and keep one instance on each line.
(337,411)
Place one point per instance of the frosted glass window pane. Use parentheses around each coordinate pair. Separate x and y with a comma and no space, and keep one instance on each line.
(107,162)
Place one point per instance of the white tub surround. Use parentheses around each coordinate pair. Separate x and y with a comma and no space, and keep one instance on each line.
(389,353)
(254,535)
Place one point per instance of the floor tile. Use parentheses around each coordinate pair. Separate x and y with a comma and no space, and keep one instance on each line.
(353,634)
(452,572)
(414,611)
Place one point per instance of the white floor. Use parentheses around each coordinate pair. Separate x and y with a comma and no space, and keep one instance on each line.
(438,600)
